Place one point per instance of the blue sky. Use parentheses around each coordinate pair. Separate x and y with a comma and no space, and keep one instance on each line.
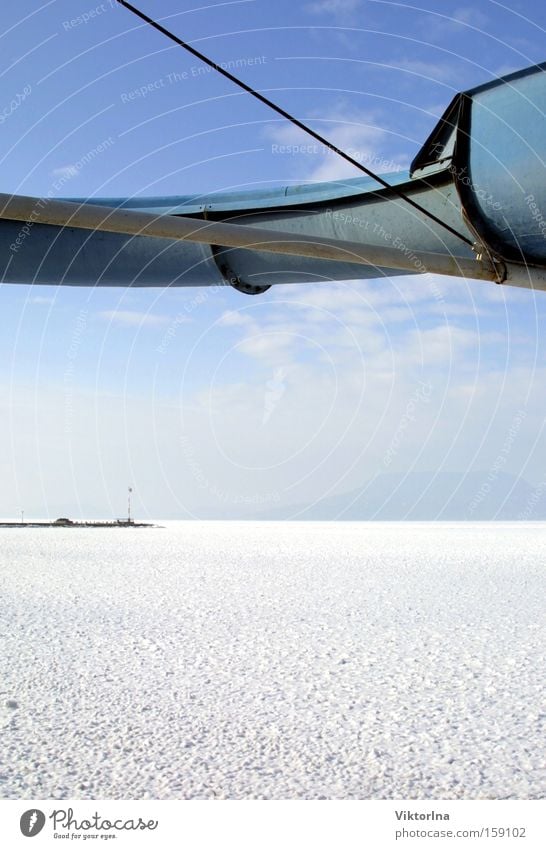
(207,400)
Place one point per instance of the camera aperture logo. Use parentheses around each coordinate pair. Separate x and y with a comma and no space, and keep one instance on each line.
(32,822)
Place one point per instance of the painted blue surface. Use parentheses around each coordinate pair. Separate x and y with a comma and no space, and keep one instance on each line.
(353,210)
(283,196)
(497,164)
(506,165)
(492,141)
(494,173)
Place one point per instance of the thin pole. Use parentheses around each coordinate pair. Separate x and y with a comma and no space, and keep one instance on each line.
(129,506)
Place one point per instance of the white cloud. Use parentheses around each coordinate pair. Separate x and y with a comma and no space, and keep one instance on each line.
(42,299)
(461,20)
(393,291)
(294,409)
(506,68)
(234,318)
(341,406)
(440,344)
(431,71)
(470,16)
(337,8)
(269,346)
(359,135)
(65,172)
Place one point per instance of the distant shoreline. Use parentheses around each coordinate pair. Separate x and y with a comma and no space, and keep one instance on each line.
(114,524)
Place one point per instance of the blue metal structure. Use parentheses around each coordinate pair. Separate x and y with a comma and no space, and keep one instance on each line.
(492,140)
(482,171)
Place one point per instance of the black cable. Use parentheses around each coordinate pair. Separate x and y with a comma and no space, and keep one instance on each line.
(291,118)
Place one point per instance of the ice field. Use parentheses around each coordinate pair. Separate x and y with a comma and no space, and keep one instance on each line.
(273,661)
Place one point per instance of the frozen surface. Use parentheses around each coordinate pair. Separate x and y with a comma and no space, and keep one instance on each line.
(241,660)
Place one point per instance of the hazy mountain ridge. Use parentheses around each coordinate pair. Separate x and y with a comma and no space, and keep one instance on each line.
(422,496)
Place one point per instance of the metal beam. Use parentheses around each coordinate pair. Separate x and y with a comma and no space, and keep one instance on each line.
(94,217)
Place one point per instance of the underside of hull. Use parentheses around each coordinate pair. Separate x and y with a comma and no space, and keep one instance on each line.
(481,173)
(353,211)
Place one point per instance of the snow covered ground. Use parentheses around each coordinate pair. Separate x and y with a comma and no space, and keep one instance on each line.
(246,660)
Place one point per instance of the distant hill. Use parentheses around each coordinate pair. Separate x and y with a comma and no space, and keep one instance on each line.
(425,496)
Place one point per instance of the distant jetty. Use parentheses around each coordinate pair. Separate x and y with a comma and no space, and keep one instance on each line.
(68,523)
